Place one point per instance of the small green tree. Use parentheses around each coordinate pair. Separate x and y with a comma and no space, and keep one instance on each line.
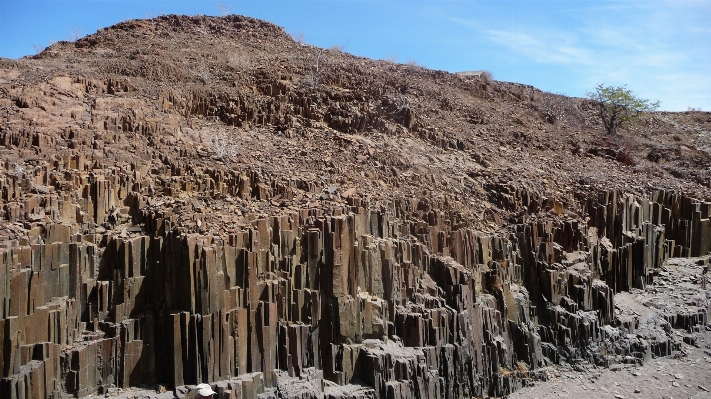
(618,106)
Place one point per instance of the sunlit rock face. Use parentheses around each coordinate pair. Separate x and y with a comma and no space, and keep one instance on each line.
(193,200)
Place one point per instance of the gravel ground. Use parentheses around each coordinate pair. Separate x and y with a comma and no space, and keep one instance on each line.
(683,376)
(678,288)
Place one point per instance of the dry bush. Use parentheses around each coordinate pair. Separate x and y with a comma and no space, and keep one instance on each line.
(338,48)
(298,37)
(487,76)
(392,58)
(39,48)
(203,73)
(555,107)
(693,109)
(225,10)
(552,107)
(239,61)
(75,34)
(399,102)
(312,79)
(223,146)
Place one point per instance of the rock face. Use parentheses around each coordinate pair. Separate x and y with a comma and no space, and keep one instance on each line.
(134,253)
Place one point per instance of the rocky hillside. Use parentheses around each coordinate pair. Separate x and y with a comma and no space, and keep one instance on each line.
(199,199)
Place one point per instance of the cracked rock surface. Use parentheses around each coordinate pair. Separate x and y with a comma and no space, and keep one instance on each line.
(190,200)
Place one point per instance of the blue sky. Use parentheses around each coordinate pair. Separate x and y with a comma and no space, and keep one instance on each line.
(659,49)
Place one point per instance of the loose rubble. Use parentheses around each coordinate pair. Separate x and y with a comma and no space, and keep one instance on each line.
(173,214)
(684,374)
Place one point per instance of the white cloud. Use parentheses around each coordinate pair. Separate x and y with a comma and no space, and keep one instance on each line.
(661,51)
(545,48)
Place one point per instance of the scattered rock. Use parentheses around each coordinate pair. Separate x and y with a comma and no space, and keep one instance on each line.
(170,214)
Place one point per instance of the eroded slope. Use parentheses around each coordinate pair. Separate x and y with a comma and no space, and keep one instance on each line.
(196,199)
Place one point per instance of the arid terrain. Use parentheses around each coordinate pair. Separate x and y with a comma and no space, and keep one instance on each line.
(201,199)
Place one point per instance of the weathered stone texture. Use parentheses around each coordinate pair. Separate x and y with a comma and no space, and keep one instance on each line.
(389,232)
(348,291)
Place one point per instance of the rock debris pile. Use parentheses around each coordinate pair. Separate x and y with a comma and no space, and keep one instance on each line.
(188,200)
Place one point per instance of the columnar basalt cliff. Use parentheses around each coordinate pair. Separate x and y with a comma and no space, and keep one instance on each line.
(188,199)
